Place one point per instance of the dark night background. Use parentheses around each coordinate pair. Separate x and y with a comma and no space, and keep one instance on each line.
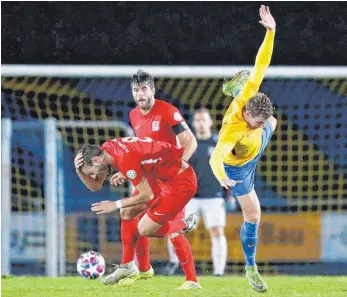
(187,33)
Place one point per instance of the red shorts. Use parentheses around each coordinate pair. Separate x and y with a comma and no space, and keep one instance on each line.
(173,197)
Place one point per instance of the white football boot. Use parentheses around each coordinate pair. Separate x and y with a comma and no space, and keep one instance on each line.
(122,271)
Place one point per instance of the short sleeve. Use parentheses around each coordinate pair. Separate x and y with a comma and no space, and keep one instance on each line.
(175,120)
(130,166)
(173,116)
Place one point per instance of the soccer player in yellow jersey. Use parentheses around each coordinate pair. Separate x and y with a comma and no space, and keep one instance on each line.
(247,127)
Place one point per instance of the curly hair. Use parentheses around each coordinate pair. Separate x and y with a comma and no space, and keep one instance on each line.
(89,151)
(142,77)
(260,105)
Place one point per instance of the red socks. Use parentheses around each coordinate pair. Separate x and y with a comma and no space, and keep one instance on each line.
(129,236)
(142,253)
(185,256)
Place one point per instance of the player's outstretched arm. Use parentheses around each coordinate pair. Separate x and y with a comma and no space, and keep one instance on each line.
(264,54)
(216,160)
(263,58)
(92,183)
(145,194)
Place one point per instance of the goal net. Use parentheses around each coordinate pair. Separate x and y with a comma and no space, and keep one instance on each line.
(301,179)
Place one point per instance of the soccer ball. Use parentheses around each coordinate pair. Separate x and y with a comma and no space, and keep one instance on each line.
(91,265)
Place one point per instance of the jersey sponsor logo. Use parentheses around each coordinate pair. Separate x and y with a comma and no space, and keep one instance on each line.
(150,161)
(178,117)
(131,174)
(210,150)
(155,126)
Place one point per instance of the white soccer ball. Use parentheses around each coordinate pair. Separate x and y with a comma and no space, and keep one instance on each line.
(91,265)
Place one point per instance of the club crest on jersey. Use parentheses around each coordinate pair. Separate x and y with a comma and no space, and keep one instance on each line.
(177,116)
(155,126)
(131,174)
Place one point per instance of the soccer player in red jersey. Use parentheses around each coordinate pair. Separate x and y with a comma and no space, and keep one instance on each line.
(161,121)
(146,163)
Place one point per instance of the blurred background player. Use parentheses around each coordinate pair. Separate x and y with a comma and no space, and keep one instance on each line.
(209,200)
(161,121)
(247,128)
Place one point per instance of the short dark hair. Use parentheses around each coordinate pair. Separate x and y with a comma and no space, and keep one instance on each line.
(89,151)
(260,105)
(203,110)
(141,77)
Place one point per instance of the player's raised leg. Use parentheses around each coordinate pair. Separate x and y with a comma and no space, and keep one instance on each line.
(183,251)
(249,237)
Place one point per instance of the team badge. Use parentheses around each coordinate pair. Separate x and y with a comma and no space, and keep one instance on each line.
(131,174)
(177,116)
(155,126)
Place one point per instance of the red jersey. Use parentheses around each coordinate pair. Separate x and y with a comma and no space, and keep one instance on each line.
(160,123)
(136,157)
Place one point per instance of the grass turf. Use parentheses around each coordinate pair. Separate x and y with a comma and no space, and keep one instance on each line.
(279,286)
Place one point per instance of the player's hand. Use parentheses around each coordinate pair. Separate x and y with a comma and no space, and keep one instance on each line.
(79,161)
(105,206)
(267,19)
(229,183)
(117,179)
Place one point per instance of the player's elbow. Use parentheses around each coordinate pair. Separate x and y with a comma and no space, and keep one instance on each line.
(213,158)
(212,163)
(190,142)
(194,144)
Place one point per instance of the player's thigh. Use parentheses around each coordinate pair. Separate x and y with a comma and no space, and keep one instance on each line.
(147,226)
(250,206)
(173,198)
(213,212)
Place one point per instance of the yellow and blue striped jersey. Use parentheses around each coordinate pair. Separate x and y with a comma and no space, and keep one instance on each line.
(235,134)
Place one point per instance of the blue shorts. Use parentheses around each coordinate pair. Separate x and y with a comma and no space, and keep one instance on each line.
(246,172)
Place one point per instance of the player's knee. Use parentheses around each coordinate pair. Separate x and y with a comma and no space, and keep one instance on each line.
(144,230)
(216,231)
(253,218)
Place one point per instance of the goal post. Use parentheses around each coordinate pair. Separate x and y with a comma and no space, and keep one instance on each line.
(6,132)
(34,163)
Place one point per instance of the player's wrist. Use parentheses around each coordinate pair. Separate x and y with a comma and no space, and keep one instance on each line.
(119,204)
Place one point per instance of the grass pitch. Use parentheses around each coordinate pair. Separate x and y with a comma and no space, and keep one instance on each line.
(279,286)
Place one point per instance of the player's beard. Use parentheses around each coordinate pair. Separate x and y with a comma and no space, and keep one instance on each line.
(145,104)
